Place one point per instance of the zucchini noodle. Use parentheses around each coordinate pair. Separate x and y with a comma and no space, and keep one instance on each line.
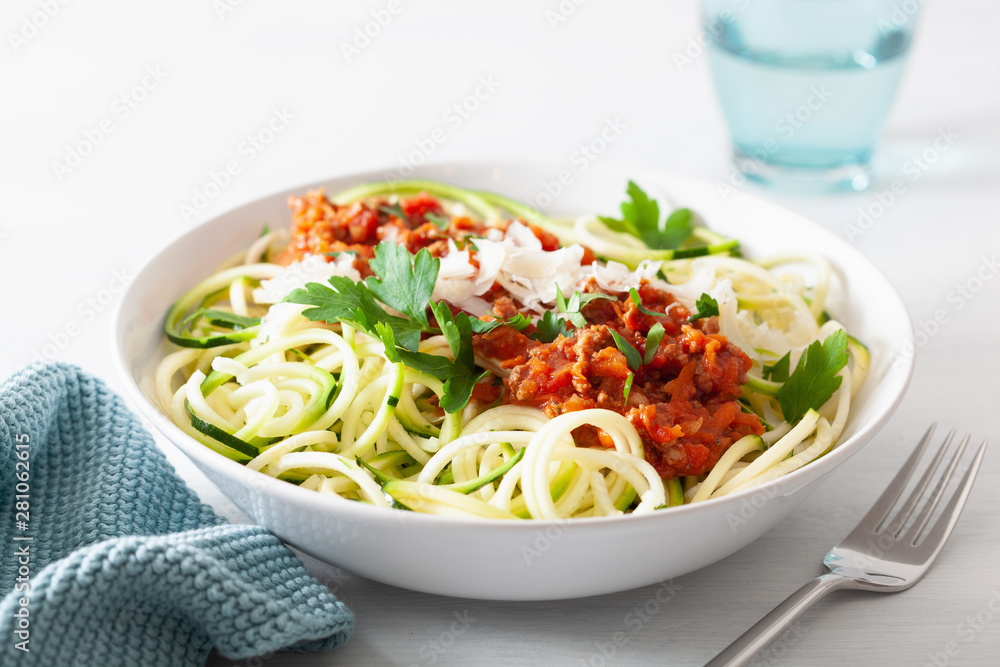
(327,406)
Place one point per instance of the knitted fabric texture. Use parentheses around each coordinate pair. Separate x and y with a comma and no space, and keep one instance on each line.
(123,565)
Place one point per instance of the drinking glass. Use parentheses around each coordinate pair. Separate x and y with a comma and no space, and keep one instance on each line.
(806,85)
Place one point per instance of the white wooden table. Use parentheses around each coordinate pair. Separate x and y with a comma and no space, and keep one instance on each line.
(125,124)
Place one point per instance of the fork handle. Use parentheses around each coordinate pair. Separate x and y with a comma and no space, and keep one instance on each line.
(780,619)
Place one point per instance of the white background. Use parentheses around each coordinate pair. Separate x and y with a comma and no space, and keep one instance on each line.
(70,237)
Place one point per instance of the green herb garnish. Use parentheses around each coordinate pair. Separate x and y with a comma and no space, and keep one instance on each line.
(707,307)
(550,326)
(653,339)
(439,221)
(641,219)
(632,355)
(396,210)
(572,306)
(778,372)
(815,377)
(404,282)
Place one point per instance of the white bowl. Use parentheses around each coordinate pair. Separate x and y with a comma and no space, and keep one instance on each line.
(527,560)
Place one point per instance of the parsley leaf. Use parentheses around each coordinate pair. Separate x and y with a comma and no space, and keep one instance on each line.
(404,282)
(458,390)
(707,307)
(639,214)
(458,379)
(338,253)
(384,333)
(642,212)
(641,219)
(631,354)
(815,377)
(637,300)
(778,372)
(550,326)
(439,221)
(653,339)
(347,301)
(456,330)
(623,226)
(396,210)
(341,299)
(519,322)
(466,242)
(572,306)
(676,228)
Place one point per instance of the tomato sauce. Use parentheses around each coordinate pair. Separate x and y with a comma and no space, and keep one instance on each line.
(323,228)
(684,402)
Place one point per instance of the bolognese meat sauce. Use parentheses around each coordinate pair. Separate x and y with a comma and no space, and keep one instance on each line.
(684,402)
(321,227)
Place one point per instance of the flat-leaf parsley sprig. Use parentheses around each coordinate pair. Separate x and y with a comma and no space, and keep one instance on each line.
(676,236)
(815,378)
(404,283)
(813,382)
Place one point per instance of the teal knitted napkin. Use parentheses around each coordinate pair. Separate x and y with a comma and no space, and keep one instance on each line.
(107,558)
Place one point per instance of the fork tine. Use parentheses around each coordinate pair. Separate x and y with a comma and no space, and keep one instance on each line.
(925,514)
(939,533)
(876,515)
(895,527)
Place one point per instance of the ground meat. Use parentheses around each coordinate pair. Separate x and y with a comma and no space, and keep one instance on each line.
(583,371)
(683,402)
(320,227)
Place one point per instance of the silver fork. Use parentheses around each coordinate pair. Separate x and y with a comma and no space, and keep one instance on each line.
(883,553)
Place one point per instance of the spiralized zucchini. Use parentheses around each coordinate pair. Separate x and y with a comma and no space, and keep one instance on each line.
(320,404)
